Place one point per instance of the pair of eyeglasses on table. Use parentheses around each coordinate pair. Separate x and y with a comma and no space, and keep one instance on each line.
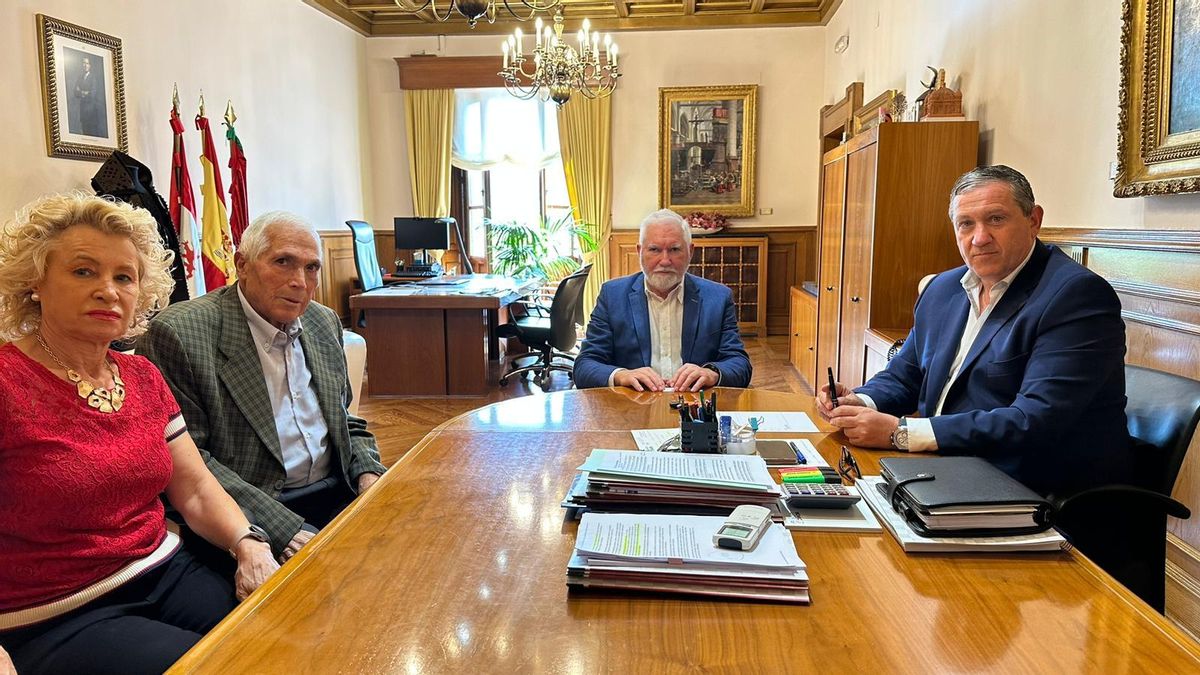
(848,466)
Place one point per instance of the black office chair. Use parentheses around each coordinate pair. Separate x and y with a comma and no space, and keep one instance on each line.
(1123,528)
(552,334)
(370,274)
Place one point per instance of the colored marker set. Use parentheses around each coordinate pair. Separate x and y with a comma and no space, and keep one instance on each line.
(809,474)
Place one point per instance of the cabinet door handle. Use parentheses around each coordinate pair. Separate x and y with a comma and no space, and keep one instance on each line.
(829,288)
(854,299)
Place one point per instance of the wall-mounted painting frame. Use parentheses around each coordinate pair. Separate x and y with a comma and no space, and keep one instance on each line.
(1158,128)
(706,153)
(83,90)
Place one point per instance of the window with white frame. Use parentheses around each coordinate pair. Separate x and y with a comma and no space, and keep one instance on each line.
(509,150)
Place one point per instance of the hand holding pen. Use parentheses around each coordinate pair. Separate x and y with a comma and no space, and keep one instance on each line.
(833,395)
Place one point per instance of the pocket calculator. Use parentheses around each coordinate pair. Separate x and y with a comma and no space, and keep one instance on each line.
(818,496)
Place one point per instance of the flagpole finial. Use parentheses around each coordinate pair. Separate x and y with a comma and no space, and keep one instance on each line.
(202,103)
(230,116)
(175,98)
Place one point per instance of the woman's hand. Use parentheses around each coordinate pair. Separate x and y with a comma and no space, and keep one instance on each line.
(255,564)
(6,664)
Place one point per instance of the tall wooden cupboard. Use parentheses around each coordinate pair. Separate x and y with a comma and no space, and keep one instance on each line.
(884,225)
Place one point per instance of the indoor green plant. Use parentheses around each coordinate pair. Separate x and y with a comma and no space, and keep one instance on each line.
(523,249)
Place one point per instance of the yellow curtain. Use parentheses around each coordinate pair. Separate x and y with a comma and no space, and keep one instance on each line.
(429,120)
(585,137)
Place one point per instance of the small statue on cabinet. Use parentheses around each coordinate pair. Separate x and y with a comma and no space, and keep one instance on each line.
(940,102)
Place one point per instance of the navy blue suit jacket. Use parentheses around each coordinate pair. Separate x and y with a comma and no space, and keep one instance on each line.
(1041,393)
(618,334)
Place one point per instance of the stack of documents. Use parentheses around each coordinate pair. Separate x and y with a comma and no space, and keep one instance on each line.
(671,482)
(675,554)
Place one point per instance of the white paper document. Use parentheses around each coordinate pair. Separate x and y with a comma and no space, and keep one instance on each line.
(1050,540)
(857,518)
(649,440)
(677,540)
(746,472)
(797,422)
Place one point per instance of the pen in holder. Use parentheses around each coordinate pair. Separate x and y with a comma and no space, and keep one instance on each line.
(699,428)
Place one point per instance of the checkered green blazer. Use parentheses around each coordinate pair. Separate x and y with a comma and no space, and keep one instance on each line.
(206,353)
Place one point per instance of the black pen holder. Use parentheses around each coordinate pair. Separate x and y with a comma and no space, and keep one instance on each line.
(700,437)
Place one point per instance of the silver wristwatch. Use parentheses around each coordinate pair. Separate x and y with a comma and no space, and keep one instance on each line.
(900,435)
(253,532)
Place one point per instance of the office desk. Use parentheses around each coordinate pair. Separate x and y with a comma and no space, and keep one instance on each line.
(434,340)
(456,561)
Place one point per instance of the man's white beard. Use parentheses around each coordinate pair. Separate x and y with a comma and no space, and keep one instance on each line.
(664,281)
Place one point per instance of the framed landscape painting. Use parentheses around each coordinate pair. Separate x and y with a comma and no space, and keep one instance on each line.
(1158,128)
(83,90)
(706,149)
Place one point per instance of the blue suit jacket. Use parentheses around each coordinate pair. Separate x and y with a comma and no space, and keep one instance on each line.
(1041,393)
(618,335)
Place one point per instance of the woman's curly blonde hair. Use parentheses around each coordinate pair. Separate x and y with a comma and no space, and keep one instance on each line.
(27,240)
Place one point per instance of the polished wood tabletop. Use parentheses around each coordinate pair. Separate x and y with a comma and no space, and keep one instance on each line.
(473,291)
(455,561)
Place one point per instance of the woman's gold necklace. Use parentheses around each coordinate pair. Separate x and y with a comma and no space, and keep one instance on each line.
(105,400)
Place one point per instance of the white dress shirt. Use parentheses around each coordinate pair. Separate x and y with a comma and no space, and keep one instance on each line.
(920,429)
(303,434)
(666,333)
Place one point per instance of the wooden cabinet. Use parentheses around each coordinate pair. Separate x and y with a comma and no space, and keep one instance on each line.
(884,225)
(791,261)
(877,347)
(738,262)
(802,341)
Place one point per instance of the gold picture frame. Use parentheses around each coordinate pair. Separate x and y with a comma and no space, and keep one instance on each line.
(1158,126)
(706,149)
(83,90)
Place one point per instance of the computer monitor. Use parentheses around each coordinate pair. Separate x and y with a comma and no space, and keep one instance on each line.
(423,233)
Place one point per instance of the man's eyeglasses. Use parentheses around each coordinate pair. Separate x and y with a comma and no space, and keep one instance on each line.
(847,466)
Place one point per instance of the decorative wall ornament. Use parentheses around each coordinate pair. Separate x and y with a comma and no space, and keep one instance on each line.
(83,90)
(1158,124)
(707,138)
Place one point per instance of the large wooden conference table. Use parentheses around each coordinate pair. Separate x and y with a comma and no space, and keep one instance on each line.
(455,561)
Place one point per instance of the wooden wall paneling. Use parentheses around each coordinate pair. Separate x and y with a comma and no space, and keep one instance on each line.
(856,261)
(1156,275)
(913,236)
(829,279)
(338,273)
(791,256)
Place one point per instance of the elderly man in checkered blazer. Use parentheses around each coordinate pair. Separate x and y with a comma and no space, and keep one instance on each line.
(259,372)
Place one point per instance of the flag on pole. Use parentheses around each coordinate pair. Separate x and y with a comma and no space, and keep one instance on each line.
(239,218)
(183,207)
(216,240)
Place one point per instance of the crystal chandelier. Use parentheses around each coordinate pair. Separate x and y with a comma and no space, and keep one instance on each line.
(558,68)
(474,10)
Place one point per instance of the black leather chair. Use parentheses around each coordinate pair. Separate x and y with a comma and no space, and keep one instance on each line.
(1123,528)
(370,274)
(552,334)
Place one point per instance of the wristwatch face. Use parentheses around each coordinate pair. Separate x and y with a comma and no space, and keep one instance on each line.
(902,437)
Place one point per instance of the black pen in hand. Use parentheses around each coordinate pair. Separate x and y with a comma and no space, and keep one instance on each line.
(832,388)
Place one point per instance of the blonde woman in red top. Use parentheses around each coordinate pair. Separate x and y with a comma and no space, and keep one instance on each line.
(91,577)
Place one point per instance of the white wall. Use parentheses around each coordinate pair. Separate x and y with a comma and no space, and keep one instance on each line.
(1041,77)
(294,75)
(786,63)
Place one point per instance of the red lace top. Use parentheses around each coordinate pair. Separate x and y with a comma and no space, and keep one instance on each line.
(78,488)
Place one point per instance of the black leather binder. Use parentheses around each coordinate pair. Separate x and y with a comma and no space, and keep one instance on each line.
(961,497)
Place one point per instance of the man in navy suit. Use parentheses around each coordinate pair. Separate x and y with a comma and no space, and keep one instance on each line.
(1016,357)
(663,327)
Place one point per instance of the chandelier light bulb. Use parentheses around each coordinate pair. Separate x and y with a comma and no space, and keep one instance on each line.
(586,25)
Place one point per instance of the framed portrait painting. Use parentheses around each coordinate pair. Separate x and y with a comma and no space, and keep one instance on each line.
(706,149)
(1158,132)
(83,90)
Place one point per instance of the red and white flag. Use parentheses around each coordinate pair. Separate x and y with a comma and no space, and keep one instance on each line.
(183,211)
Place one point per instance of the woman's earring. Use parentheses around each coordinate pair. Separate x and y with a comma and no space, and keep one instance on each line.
(35,297)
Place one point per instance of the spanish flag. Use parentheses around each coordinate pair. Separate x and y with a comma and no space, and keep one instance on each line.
(216,240)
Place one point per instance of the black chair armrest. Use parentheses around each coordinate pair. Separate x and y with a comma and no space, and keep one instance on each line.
(1133,495)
